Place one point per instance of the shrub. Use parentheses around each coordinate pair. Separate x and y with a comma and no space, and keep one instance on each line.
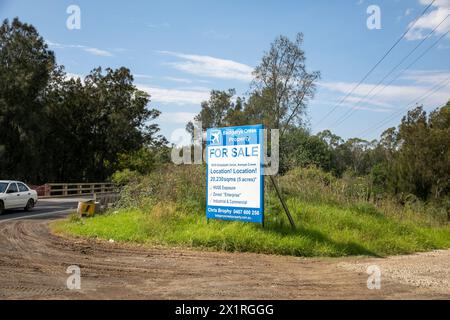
(176,184)
(125,177)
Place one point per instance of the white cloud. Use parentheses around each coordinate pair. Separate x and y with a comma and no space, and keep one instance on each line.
(349,104)
(91,50)
(408,12)
(180,80)
(176,96)
(176,117)
(389,93)
(63,46)
(432,77)
(373,109)
(440,10)
(353,100)
(98,52)
(211,67)
(394,96)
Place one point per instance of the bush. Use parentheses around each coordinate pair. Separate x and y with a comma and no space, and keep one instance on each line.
(167,207)
(316,186)
(183,188)
(170,183)
(125,177)
(313,184)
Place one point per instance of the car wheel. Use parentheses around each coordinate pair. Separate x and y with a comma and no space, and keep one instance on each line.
(30,205)
(2,207)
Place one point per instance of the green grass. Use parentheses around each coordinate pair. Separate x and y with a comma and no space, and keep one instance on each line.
(322,230)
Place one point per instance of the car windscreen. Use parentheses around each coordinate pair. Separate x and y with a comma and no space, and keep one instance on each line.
(3,186)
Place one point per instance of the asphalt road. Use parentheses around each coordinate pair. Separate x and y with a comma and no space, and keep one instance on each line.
(44,207)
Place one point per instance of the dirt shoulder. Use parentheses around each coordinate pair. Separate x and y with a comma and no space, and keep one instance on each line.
(33,265)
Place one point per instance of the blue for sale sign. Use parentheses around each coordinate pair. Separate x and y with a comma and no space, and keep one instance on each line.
(235,182)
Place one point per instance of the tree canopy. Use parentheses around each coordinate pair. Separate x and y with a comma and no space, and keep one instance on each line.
(59,129)
(413,159)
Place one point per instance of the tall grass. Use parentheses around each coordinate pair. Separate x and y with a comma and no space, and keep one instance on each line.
(332,216)
(316,186)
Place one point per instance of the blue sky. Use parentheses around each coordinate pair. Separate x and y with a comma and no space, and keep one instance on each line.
(180,50)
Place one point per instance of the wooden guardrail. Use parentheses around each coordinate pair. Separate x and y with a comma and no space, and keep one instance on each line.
(52,190)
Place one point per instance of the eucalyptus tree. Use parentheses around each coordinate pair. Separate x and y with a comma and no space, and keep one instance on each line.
(282,86)
(26,64)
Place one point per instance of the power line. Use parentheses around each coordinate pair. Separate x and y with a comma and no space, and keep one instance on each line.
(376,65)
(432,91)
(429,93)
(410,65)
(351,111)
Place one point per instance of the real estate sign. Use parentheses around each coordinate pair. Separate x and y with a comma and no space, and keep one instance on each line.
(235,184)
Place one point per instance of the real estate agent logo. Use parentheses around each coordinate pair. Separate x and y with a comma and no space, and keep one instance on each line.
(215,138)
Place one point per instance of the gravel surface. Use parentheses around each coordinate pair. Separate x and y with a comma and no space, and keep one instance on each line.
(33,264)
(427,270)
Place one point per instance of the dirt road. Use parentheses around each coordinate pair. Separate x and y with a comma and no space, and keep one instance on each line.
(33,265)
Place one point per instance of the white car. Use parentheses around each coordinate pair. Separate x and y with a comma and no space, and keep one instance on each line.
(16,194)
